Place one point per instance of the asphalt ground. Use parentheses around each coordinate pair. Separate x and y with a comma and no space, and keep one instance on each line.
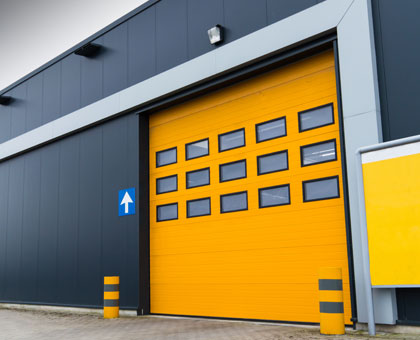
(34,325)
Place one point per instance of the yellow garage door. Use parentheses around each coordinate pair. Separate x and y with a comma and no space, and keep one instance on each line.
(246,200)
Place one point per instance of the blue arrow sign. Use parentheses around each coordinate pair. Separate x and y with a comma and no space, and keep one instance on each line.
(127,202)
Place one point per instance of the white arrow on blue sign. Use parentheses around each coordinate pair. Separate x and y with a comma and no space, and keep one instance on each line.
(127,202)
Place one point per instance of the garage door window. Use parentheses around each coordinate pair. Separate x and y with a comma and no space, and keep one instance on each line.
(166,184)
(234,202)
(321,189)
(198,178)
(167,212)
(272,129)
(232,140)
(315,118)
(272,162)
(197,149)
(166,157)
(199,207)
(318,153)
(232,171)
(274,196)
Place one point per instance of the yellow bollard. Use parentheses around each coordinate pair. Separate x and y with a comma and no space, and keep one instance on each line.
(111,297)
(331,301)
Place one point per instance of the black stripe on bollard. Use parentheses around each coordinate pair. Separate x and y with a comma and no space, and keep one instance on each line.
(111,288)
(326,284)
(111,303)
(331,307)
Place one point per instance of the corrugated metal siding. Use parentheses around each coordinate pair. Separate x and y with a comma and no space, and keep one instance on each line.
(398,52)
(162,36)
(59,227)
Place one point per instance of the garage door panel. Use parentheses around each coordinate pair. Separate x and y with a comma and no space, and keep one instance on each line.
(258,263)
(209,229)
(293,72)
(252,182)
(210,121)
(212,118)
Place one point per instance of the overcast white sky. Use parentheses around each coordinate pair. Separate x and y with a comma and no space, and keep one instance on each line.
(32,32)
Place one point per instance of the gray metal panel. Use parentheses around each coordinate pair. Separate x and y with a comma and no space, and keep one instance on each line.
(141,46)
(115,60)
(34,103)
(243,17)
(278,10)
(59,227)
(4,203)
(171,33)
(396,24)
(129,295)
(48,233)
(30,229)
(202,15)
(70,84)
(90,218)
(68,215)
(14,228)
(163,36)
(115,169)
(18,107)
(91,77)
(51,93)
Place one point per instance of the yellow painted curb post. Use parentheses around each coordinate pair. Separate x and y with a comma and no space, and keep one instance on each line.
(111,297)
(331,301)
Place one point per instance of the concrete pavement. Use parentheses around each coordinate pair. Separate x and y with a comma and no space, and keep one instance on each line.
(21,324)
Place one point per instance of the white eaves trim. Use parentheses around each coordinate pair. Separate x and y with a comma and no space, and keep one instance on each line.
(391,152)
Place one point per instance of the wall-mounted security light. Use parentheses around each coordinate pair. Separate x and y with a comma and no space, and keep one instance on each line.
(89,50)
(5,100)
(215,34)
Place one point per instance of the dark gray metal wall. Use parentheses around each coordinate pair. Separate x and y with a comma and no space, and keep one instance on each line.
(397,28)
(160,37)
(59,227)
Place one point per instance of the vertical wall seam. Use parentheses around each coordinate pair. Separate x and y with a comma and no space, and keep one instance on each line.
(77,283)
(266,13)
(43,100)
(21,223)
(127,83)
(102,206)
(11,117)
(58,220)
(381,70)
(25,128)
(39,225)
(156,58)
(60,80)
(223,13)
(76,278)
(80,82)
(7,228)
(102,39)
(187,30)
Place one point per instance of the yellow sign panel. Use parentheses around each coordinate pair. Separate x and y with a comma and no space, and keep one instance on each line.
(392,195)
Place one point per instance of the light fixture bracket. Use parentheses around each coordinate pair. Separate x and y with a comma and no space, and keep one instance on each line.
(89,50)
(216,34)
(5,100)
